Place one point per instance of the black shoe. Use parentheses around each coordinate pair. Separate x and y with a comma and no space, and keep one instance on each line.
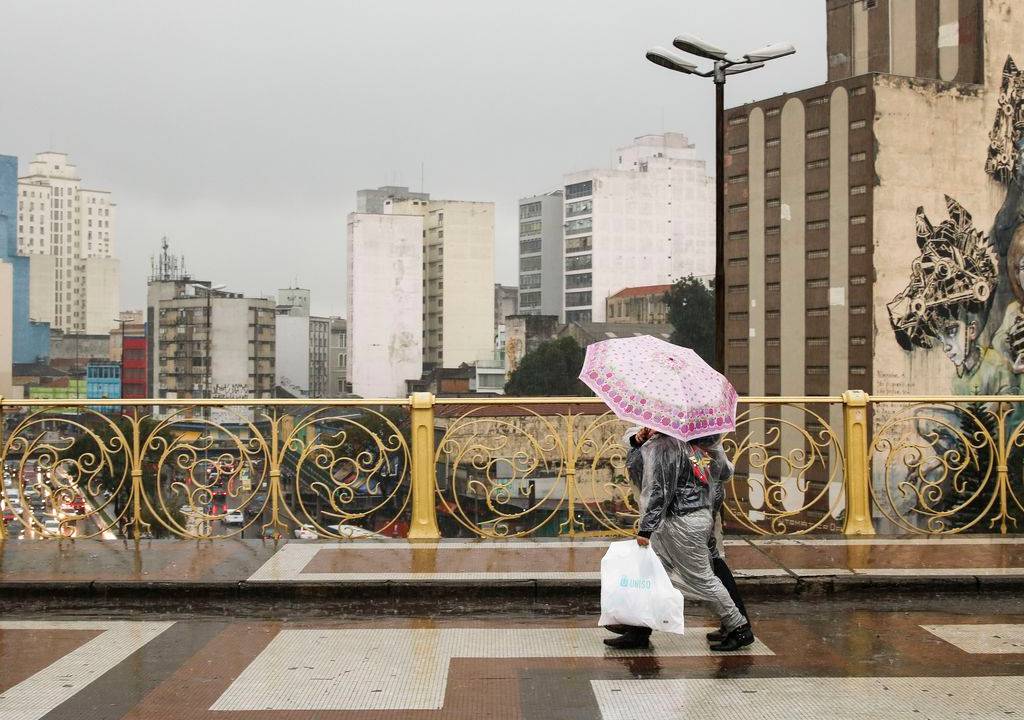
(717,635)
(738,638)
(629,641)
(618,629)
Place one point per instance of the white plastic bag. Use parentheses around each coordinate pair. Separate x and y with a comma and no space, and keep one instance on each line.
(635,590)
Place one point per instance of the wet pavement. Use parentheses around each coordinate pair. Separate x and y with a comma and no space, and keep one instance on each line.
(923,658)
(363,562)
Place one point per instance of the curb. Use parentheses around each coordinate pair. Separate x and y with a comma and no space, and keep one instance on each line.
(447,597)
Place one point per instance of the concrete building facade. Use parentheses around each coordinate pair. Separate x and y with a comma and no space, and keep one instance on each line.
(458,272)
(541,254)
(372,200)
(385,302)
(69,233)
(642,305)
(6,330)
(648,221)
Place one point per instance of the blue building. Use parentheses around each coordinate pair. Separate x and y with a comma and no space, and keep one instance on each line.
(31,339)
(103,380)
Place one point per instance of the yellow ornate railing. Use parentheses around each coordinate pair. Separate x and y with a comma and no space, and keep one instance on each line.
(427,467)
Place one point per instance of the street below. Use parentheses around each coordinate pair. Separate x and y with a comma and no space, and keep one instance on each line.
(928,656)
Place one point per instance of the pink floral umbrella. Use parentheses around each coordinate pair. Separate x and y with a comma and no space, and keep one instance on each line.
(651,382)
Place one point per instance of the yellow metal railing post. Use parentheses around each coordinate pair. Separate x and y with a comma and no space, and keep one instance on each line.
(857,475)
(424,474)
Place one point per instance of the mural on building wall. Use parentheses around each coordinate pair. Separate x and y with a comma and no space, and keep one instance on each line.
(949,467)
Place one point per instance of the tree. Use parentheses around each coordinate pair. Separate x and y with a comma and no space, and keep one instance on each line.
(691,312)
(552,369)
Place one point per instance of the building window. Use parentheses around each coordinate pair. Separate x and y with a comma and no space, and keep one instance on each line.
(530,228)
(817,254)
(581,207)
(858,124)
(578,190)
(577,299)
(820,195)
(772,112)
(738,120)
(738,289)
(576,227)
(737,149)
(858,249)
(858,220)
(579,280)
(859,90)
(739,316)
(736,209)
(858,157)
(529,210)
(819,133)
(773,173)
(858,280)
(772,203)
(578,244)
(822,100)
(529,246)
(738,262)
(818,225)
(579,262)
(529,281)
(529,263)
(529,299)
(738,235)
(578,316)
(817,164)
(859,190)
(736,179)
(772,142)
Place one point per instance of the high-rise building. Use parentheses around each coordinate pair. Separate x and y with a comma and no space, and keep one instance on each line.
(458,277)
(842,197)
(6,330)
(649,221)
(30,341)
(385,302)
(68,232)
(301,345)
(541,254)
(205,342)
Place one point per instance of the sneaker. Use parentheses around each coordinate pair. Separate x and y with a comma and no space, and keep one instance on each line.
(629,641)
(738,638)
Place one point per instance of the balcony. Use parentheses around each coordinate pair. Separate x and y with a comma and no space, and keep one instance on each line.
(493,468)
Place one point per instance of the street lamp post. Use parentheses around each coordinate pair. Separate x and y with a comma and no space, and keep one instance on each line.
(122,322)
(723,66)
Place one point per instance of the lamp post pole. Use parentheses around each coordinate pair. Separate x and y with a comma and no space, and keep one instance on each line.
(723,66)
(719,217)
(122,322)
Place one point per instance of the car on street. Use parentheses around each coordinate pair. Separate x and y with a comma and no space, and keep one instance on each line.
(351,531)
(305,532)
(52,526)
(234,517)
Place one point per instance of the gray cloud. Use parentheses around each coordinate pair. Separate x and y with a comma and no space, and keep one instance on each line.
(242,129)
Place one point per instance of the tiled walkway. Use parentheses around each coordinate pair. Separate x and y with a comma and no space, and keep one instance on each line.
(823,662)
(253,561)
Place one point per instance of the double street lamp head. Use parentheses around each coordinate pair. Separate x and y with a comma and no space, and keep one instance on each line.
(724,64)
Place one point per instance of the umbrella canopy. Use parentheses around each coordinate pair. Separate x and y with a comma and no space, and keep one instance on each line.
(669,388)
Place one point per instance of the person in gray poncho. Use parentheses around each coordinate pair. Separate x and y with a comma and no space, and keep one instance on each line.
(675,502)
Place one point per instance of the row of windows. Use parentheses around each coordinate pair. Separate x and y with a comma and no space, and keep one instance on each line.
(578,244)
(529,246)
(577,299)
(744,316)
(580,280)
(774,258)
(529,299)
(575,227)
(529,263)
(772,370)
(530,228)
(581,207)
(579,262)
(811,341)
(529,210)
(578,190)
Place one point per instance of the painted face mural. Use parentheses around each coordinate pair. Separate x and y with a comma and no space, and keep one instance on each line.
(966,287)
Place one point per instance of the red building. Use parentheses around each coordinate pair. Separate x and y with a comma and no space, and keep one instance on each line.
(133,374)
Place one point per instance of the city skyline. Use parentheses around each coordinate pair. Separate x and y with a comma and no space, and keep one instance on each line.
(243,138)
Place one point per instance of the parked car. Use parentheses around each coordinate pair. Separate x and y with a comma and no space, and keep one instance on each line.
(305,532)
(52,526)
(234,517)
(351,531)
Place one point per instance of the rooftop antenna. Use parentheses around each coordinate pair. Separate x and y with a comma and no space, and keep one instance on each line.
(421,176)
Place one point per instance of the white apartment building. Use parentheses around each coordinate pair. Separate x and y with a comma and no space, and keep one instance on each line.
(68,232)
(541,254)
(458,274)
(301,345)
(650,221)
(385,303)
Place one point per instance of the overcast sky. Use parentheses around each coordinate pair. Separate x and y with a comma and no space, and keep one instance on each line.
(242,130)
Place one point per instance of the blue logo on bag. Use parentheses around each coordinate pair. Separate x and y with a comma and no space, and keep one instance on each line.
(634,583)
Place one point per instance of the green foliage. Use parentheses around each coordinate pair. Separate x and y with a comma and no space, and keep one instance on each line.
(691,312)
(552,369)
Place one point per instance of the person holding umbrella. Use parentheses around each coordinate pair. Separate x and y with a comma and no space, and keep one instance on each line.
(673,391)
